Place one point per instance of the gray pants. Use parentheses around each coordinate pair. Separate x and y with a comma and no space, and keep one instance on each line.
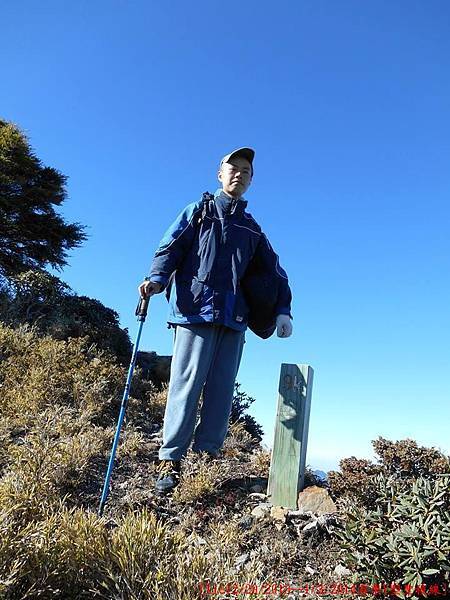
(205,357)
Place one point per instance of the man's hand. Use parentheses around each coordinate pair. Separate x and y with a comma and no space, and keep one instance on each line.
(148,288)
(284,326)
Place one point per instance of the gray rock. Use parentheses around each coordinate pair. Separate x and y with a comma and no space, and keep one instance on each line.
(299,514)
(154,367)
(310,526)
(257,496)
(245,522)
(342,571)
(261,510)
(257,488)
(199,541)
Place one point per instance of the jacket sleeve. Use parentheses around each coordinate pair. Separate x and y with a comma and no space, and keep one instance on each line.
(268,258)
(175,244)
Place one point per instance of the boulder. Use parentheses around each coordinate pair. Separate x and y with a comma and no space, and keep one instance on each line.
(317,500)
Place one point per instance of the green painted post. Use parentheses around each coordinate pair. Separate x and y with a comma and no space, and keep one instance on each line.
(287,465)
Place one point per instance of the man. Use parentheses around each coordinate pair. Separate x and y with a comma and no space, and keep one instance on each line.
(209,247)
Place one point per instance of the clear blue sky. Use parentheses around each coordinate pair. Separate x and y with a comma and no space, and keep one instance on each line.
(348,107)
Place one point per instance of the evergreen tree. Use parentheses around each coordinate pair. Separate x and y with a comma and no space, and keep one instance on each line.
(32,234)
(241,402)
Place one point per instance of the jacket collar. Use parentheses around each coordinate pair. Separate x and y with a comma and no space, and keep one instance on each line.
(237,205)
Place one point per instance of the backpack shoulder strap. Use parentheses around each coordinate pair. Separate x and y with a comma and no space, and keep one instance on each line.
(206,199)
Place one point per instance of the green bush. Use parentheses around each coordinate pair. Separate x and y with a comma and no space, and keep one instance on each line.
(406,458)
(403,459)
(406,538)
(241,402)
(41,300)
(354,479)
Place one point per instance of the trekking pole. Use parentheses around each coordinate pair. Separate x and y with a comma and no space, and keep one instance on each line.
(141,313)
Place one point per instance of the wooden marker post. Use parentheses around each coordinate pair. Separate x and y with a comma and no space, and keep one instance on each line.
(287,465)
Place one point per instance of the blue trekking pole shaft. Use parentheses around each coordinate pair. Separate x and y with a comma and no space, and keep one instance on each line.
(141,313)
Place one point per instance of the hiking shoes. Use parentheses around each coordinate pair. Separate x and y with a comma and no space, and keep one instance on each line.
(168,475)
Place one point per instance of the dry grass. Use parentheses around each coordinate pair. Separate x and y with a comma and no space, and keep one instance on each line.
(200,477)
(238,441)
(59,403)
(260,463)
(73,554)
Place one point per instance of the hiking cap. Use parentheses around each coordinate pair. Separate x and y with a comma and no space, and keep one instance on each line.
(247,153)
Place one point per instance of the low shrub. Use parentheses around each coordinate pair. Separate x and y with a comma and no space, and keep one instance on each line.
(238,440)
(260,463)
(405,539)
(37,298)
(354,480)
(59,403)
(49,462)
(59,555)
(241,402)
(403,459)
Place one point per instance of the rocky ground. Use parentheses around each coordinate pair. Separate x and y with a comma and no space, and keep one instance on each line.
(225,499)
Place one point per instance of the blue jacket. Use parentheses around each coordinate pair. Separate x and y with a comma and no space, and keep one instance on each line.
(209,248)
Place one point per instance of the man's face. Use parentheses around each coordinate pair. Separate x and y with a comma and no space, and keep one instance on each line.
(235,176)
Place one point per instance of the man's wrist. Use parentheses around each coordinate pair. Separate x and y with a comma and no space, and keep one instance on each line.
(161,279)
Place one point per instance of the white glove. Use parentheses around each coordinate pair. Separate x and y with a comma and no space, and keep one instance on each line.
(284,326)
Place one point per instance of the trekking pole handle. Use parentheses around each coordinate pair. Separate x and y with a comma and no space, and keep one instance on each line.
(142,308)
